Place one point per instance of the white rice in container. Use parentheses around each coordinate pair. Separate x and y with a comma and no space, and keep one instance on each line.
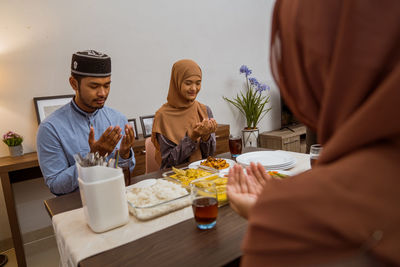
(161,191)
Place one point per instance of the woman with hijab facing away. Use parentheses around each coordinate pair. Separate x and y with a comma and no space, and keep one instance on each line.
(337,66)
(183,129)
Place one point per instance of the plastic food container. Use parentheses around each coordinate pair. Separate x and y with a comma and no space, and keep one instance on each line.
(185,182)
(103,197)
(147,212)
(220,184)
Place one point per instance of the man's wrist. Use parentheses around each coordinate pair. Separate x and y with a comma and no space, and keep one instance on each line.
(125,155)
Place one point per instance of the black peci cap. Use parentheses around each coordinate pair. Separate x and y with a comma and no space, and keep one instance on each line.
(91,63)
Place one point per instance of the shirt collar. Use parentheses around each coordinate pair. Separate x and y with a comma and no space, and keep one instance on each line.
(80,111)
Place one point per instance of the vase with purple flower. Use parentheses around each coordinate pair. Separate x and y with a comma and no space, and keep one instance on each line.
(252,103)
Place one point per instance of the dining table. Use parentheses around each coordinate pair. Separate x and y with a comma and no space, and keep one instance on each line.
(181,244)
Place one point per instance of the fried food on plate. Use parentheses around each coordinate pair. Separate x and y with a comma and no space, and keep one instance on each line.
(215,163)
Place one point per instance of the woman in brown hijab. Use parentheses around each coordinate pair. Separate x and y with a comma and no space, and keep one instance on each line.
(337,66)
(183,129)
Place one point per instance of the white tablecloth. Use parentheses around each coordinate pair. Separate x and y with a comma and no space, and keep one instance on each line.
(302,164)
(76,241)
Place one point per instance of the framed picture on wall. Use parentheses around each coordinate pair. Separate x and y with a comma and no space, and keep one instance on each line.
(133,123)
(48,104)
(147,125)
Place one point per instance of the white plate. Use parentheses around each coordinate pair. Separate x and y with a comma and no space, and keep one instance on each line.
(269,159)
(284,167)
(197,163)
(143,184)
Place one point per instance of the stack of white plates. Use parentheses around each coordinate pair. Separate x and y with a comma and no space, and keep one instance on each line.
(271,160)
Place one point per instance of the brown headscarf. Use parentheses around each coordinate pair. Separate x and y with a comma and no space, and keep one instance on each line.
(337,65)
(177,117)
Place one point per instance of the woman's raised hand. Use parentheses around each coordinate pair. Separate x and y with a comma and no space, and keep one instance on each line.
(259,175)
(243,190)
(212,124)
(203,129)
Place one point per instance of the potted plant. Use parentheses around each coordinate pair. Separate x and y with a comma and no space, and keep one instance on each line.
(252,104)
(14,143)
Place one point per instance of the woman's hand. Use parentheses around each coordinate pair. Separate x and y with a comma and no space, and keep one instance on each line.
(260,176)
(243,190)
(203,129)
(211,125)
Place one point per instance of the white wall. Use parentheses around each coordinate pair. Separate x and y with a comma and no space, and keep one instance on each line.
(144,39)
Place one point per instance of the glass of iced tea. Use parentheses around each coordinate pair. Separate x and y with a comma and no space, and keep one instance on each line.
(315,151)
(235,145)
(204,203)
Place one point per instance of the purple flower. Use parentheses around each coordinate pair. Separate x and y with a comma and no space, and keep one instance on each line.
(253,81)
(245,69)
(262,87)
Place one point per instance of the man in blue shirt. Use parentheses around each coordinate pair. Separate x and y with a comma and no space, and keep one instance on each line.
(84,125)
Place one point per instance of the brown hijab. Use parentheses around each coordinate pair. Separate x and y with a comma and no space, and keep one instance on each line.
(177,117)
(337,66)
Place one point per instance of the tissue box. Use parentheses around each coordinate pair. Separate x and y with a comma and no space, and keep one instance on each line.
(103,196)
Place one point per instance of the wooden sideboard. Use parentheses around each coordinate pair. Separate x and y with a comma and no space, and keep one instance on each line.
(222,136)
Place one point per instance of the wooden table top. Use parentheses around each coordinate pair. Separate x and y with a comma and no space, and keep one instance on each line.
(27,160)
(179,245)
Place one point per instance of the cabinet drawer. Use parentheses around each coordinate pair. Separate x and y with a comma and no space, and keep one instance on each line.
(285,139)
(293,145)
(222,146)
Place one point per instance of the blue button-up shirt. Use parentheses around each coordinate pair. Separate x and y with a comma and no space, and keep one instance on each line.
(65,133)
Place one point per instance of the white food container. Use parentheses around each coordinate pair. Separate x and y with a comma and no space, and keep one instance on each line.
(150,211)
(103,197)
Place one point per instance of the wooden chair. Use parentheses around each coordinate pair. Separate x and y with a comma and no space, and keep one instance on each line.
(151,163)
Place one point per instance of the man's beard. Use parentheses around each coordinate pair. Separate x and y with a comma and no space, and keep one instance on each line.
(88,104)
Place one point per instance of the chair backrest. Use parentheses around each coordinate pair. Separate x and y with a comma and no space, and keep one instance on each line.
(151,163)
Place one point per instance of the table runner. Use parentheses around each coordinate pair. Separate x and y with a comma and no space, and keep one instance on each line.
(76,241)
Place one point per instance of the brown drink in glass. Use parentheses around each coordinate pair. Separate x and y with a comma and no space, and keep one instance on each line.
(204,204)
(312,161)
(205,210)
(235,145)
